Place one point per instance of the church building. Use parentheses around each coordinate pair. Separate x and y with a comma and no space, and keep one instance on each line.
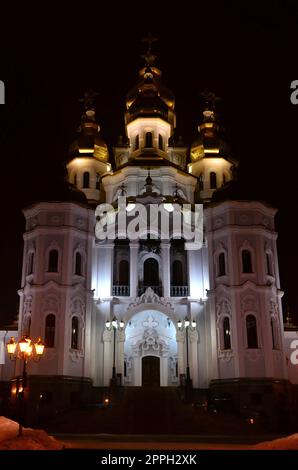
(149,312)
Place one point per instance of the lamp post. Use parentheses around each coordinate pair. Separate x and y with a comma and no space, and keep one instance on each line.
(114,325)
(186,324)
(24,349)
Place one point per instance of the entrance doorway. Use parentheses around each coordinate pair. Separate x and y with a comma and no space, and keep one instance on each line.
(150,371)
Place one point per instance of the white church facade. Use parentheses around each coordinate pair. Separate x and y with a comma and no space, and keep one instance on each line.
(148,311)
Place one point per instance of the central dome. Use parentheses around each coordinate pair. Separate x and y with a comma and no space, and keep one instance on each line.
(150,98)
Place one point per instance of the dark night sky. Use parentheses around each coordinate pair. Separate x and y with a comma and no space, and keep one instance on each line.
(247,52)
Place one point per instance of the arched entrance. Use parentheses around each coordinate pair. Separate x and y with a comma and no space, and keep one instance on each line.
(150,350)
(150,371)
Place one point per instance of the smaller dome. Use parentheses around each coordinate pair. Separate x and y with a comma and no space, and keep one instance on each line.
(90,142)
(208,143)
(60,190)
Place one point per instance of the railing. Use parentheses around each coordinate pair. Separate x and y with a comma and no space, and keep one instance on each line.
(157,290)
(121,291)
(179,291)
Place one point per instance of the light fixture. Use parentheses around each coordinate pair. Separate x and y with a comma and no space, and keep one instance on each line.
(11,346)
(114,322)
(108,324)
(39,347)
(121,324)
(186,322)
(179,323)
(24,344)
(193,323)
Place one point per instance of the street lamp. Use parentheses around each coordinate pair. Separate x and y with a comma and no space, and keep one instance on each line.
(185,325)
(24,349)
(114,324)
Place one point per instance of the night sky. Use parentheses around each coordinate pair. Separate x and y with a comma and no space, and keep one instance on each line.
(246,52)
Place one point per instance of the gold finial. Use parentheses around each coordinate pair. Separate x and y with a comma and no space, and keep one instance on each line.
(88,99)
(148,56)
(210,99)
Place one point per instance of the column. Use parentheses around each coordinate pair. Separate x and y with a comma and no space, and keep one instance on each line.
(193,357)
(166,273)
(105,271)
(133,266)
(120,339)
(180,338)
(107,356)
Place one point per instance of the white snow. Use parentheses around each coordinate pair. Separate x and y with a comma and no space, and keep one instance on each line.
(285,443)
(32,439)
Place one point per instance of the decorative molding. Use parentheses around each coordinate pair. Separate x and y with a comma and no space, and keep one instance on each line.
(149,297)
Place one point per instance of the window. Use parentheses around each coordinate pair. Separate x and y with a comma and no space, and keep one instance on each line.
(151,272)
(149,140)
(223,179)
(97,184)
(246,261)
(251,332)
(78,264)
(177,273)
(50,331)
(226,333)
(75,333)
(213,182)
(123,273)
(86,179)
(27,325)
(137,142)
(53,261)
(160,142)
(75,179)
(268,264)
(221,264)
(31,263)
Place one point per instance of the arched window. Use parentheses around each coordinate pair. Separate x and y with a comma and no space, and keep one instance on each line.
(31,263)
(177,273)
(223,179)
(160,142)
(78,264)
(221,264)
(213,182)
(50,331)
(149,140)
(53,261)
(74,333)
(274,333)
(75,179)
(137,142)
(123,273)
(86,179)
(251,332)
(246,261)
(97,184)
(226,333)
(151,272)
(269,264)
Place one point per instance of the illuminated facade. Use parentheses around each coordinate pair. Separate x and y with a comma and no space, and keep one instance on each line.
(73,285)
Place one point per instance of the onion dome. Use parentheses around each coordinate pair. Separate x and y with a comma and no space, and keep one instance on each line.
(209,143)
(150,98)
(89,143)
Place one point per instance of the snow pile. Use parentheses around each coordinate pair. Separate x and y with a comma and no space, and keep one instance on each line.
(32,439)
(285,443)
